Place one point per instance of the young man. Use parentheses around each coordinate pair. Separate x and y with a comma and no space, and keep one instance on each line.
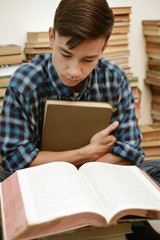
(74,71)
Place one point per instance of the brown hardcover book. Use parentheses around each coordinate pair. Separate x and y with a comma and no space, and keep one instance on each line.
(56,197)
(71,124)
(9,49)
(37,37)
(121,10)
(10,59)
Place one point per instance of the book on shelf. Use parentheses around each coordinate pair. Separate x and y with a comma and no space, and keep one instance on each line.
(6,73)
(37,37)
(151,27)
(152,151)
(155,115)
(120,59)
(156,98)
(37,50)
(115,54)
(116,48)
(10,59)
(4,81)
(37,45)
(120,24)
(56,197)
(153,48)
(2,92)
(30,56)
(154,64)
(10,49)
(70,125)
(154,39)
(134,82)
(155,106)
(153,55)
(120,29)
(150,131)
(122,18)
(121,10)
(151,23)
(118,42)
(151,143)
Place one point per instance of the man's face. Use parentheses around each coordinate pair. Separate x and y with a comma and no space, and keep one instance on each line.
(74,65)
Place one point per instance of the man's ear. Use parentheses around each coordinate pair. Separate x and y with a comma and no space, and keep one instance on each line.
(106,44)
(51,37)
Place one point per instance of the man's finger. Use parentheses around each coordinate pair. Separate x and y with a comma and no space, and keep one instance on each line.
(111,128)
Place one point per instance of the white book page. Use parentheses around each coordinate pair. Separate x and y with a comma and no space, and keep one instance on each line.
(54,190)
(120,188)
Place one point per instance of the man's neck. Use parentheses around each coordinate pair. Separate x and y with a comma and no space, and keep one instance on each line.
(78,87)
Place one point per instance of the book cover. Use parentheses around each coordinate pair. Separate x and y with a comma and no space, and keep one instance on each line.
(70,125)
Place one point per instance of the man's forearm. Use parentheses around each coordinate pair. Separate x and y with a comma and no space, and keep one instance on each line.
(110,158)
(76,157)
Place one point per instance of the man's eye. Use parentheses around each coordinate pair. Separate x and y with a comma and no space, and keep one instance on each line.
(65,55)
(88,60)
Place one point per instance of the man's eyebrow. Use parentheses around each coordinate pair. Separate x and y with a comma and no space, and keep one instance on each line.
(88,57)
(65,50)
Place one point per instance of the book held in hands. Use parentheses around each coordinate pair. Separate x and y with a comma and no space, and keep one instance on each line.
(70,125)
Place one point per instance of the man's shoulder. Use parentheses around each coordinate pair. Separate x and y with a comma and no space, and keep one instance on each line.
(32,73)
(111,70)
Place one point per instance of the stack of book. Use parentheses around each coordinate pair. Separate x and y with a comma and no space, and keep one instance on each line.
(37,43)
(151,141)
(118,49)
(118,46)
(151,31)
(10,54)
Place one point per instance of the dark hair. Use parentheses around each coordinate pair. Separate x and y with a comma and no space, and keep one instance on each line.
(83,19)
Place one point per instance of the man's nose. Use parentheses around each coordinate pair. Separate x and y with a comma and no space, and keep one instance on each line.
(74,69)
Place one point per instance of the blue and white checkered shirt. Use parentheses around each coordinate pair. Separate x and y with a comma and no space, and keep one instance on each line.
(34,82)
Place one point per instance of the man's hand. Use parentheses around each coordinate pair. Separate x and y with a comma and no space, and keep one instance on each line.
(103,141)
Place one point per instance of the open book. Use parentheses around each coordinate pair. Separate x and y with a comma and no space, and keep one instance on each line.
(56,197)
(70,125)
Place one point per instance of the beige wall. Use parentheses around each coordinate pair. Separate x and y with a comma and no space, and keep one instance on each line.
(20,16)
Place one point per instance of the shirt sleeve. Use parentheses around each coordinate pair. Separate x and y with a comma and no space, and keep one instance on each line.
(128,133)
(17,132)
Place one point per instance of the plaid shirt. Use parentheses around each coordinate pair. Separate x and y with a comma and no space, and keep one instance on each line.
(34,82)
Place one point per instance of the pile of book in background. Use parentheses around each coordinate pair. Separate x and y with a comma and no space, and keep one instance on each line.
(10,60)
(151,31)
(151,141)
(118,49)
(37,43)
